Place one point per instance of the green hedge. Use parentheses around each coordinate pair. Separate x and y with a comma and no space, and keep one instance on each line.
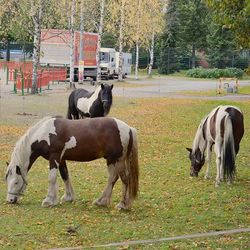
(215,73)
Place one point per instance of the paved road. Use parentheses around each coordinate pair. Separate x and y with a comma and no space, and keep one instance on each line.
(167,86)
(156,87)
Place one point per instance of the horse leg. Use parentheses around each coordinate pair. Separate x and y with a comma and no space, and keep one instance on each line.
(51,199)
(209,154)
(105,198)
(69,192)
(218,163)
(126,202)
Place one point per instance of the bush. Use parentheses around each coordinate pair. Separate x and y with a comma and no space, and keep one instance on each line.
(215,73)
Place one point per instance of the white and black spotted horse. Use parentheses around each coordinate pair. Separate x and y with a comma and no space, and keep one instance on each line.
(59,140)
(223,127)
(83,103)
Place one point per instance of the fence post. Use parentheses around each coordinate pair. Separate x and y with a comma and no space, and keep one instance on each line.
(15,78)
(7,76)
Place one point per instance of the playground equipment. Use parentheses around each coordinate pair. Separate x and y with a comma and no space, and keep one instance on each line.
(230,85)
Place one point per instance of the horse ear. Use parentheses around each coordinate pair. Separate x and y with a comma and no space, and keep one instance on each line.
(102,86)
(18,170)
(189,150)
(111,87)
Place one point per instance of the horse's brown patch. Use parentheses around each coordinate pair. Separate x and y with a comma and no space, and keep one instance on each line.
(213,124)
(95,138)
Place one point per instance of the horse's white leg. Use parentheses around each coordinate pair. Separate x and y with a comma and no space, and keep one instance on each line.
(105,198)
(209,154)
(217,148)
(69,192)
(51,199)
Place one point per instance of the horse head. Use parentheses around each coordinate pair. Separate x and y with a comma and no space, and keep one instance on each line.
(197,161)
(16,183)
(106,97)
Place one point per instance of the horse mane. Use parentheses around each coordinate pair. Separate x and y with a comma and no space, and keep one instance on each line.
(18,154)
(199,135)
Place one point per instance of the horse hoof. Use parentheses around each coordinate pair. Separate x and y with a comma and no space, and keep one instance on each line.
(100,203)
(48,203)
(217,184)
(207,177)
(67,198)
(122,206)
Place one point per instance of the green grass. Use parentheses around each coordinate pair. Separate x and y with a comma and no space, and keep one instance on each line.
(170,203)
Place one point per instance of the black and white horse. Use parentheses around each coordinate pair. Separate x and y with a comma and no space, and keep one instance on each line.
(83,103)
(223,127)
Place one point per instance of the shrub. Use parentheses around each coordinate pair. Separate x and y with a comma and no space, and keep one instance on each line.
(215,73)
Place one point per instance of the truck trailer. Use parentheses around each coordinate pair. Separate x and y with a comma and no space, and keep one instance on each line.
(55,51)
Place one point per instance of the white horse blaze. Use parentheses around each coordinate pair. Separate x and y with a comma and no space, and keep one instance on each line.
(68,145)
(85,103)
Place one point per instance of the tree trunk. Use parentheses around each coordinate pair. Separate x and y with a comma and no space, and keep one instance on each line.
(8,50)
(99,41)
(193,56)
(137,60)
(137,39)
(120,73)
(150,66)
(81,56)
(72,46)
(37,19)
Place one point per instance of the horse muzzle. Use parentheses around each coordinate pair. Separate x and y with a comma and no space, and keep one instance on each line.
(12,199)
(193,173)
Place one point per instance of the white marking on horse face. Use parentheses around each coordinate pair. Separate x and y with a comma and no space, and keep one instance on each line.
(124,134)
(85,103)
(14,185)
(68,145)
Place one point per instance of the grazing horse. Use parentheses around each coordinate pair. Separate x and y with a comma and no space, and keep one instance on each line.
(58,140)
(223,127)
(83,103)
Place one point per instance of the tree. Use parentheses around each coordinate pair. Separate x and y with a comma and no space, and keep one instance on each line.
(168,42)
(100,30)
(193,25)
(233,15)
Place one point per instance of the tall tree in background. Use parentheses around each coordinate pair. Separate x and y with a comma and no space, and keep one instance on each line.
(100,30)
(221,46)
(156,14)
(37,13)
(193,25)
(234,15)
(168,41)
(72,43)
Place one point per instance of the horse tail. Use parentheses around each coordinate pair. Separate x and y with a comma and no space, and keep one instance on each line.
(133,164)
(229,150)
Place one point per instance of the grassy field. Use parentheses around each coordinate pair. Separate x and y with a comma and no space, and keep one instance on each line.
(170,203)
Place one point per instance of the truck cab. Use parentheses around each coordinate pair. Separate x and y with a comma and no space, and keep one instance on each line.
(108,63)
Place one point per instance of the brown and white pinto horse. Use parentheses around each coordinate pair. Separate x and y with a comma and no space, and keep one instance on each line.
(223,127)
(58,139)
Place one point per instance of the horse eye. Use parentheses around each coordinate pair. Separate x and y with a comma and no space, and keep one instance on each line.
(16,183)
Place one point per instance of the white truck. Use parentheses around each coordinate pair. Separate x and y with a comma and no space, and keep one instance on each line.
(109,63)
